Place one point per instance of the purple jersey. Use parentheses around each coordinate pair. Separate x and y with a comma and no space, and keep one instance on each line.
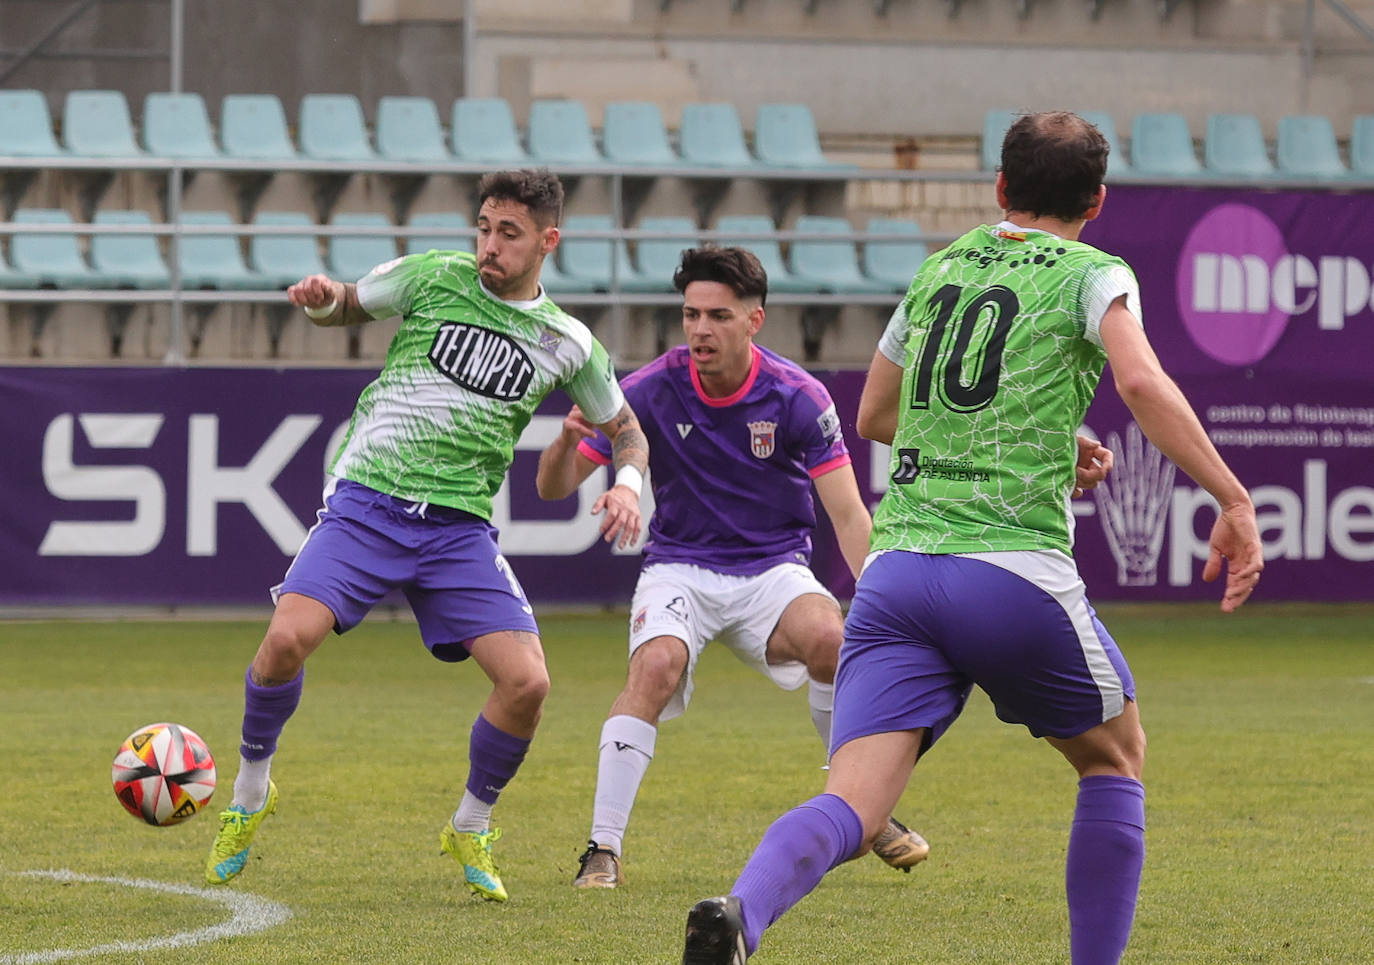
(732,476)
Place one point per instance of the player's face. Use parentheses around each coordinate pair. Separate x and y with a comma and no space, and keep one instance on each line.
(511,248)
(720,328)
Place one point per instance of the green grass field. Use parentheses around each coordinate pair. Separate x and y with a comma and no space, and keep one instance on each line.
(1261,804)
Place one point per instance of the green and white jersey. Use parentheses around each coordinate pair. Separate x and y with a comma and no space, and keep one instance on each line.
(999,339)
(462,377)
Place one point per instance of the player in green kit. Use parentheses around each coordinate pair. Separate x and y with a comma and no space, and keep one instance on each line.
(979,383)
(409,498)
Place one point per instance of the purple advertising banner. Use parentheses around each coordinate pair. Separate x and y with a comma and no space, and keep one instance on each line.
(195,486)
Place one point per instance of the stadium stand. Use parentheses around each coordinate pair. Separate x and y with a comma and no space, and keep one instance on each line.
(284,259)
(178,126)
(995,124)
(332,128)
(26,127)
(444,237)
(1234,147)
(633,134)
(830,266)
(484,132)
(408,129)
(215,261)
(657,258)
(55,260)
(1362,146)
(96,123)
(737,229)
(711,135)
(13,278)
(1161,146)
(127,260)
(253,128)
(589,259)
(1306,148)
(785,135)
(893,263)
(560,133)
(350,257)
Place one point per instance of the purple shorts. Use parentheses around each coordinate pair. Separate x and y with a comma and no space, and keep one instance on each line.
(923,629)
(446,562)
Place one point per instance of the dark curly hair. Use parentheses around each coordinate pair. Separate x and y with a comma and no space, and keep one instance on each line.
(539,190)
(736,268)
(1053,163)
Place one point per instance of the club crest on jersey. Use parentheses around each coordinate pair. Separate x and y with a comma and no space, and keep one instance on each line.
(549,341)
(482,361)
(639,620)
(763,438)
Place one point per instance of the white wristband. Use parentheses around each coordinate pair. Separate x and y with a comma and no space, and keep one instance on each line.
(630,477)
(323,311)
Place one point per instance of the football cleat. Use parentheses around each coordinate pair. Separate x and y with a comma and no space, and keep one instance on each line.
(900,847)
(715,933)
(237,828)
(598,868)
(472,849)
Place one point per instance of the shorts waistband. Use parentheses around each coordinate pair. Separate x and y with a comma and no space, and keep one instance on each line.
(417,509)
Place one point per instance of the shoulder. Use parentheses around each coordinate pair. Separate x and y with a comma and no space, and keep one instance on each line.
(671,364)
(791,379)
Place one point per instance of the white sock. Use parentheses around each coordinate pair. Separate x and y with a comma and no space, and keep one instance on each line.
(250,787)
(627,747)
(473,814)
(821,697)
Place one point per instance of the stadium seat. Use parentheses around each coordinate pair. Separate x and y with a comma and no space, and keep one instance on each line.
(557,283)
(439,222)
(589,259)
(734,228)
(657,260)
(96,123)
(332,128)
(785,136)
(1162,146)
(559,133)
(215,261)
(53,260)
(484,132)
(1307,148)
(177,125)
(633,134)
(1234,147)
(408,129)
(350,257)
(26,128)
(995,124)
(284,259)
(13,278)
(831,266)
(1116,158)
(1362,146)
(128,261)
(893,263)
(253,127)
(711,135)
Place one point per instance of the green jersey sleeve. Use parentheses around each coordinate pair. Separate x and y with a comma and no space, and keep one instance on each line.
(389,288)
(594,387)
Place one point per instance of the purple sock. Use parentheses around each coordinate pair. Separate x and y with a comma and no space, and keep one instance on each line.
(494,757)
(1102,878)
(794,855)
(265,712)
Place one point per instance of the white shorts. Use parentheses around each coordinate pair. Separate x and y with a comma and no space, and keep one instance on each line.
(698,605)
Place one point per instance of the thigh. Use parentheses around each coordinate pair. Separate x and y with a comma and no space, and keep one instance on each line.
(759,609)
(675,601)
(465,589)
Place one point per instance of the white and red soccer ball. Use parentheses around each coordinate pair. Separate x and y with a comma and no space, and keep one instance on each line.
(163,774)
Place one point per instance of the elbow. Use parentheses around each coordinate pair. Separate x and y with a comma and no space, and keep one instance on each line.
(874,429)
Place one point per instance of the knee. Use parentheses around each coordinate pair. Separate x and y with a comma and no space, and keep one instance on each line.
(283,651)
(824,655)
(655,670)
(524,693)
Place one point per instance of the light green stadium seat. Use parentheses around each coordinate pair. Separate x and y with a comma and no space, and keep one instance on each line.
(215,261)
(441,240)
(284,259)
(785,135)
(1362,146)
(253,127)
(1234,147)
(589,259)
(26,128)
(130,261)
(711,135)
(1162,146)
(178,126)
(484,132)
(832,266)
(54,260)
(734,229)
(560,133)
(350,257)
(657,260)
(633,134)
(408,129)
(331,128)
(14,278)
(1307,148)
(96,123)
(995,125)
(893,263)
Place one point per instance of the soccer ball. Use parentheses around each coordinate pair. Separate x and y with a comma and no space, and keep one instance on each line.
(163,774)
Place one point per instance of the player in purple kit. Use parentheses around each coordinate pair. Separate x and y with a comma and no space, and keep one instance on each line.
(727,421)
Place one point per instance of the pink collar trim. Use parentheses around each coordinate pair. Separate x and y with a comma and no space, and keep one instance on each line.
(735,396)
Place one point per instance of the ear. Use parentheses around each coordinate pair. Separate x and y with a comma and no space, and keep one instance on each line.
(1001,188)
(1096,209)
(755,321)
(549,240)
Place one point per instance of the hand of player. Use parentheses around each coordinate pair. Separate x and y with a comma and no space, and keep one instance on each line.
(315,291)
(621,505)
(1235,537)
(1094,462)
(576,427)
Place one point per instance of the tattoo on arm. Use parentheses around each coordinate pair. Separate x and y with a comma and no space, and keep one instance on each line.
(629,445)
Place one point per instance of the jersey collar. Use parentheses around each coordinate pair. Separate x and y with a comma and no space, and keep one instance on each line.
(524,304)
(735,396)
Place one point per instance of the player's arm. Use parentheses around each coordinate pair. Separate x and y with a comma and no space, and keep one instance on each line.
(562,468)
(839,494)
(1168,421)
(630,458)
(318,292)
(877,418)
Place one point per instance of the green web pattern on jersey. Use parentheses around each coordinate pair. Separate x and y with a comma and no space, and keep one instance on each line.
(997,378)
(418,435)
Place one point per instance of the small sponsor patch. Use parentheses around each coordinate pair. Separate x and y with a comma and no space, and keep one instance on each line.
(638,623)
(829,421)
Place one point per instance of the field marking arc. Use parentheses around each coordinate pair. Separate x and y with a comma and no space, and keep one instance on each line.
(250,914)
